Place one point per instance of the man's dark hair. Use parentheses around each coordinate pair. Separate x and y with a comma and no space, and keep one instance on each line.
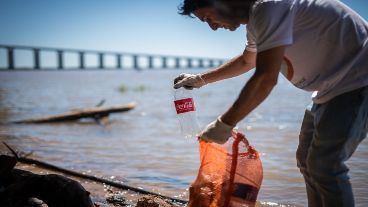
(231,9)
(189,6)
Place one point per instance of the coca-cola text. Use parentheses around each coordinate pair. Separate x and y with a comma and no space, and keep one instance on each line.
(184,105)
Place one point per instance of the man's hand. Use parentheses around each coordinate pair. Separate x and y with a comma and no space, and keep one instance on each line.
(189,81)
(217,132)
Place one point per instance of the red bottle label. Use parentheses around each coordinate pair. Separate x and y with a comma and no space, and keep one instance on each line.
(184,105)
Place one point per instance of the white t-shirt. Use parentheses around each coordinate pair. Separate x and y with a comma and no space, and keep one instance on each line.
(327,43)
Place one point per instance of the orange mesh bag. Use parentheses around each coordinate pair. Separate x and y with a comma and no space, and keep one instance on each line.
(230,175)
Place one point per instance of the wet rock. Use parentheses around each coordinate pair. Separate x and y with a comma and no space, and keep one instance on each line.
(7,163)
(54,190)
(153,201)
(116,200)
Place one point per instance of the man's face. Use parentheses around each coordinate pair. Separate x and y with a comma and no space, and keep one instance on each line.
(214,20)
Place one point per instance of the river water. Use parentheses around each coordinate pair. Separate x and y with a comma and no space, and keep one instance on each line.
(144,147)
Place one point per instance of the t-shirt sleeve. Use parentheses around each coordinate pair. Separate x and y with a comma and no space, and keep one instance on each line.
(251,42)
(271,24)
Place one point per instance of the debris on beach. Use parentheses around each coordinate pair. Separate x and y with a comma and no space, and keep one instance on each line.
(116,199)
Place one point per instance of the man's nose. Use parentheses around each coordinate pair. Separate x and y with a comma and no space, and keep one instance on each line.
(213,26)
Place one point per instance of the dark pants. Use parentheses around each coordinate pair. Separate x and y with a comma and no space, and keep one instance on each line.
(330,134)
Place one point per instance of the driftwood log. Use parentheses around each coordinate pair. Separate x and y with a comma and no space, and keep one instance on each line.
(96,113)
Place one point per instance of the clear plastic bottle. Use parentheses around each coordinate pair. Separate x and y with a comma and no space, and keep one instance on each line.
(186,112)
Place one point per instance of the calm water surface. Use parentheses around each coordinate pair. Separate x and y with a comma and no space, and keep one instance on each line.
(143,147)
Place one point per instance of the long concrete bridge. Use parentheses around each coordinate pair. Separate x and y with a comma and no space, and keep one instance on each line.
(39,58)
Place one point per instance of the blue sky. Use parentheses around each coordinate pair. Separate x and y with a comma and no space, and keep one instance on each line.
(142,26)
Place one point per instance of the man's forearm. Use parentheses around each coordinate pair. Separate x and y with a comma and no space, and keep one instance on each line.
(258,87)
(232,68)
(252,94)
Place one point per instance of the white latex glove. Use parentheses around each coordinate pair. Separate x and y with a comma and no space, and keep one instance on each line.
(217,131)
(189,81)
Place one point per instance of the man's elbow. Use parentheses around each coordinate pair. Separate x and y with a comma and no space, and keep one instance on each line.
(248,60)
(268,82)
(272,81)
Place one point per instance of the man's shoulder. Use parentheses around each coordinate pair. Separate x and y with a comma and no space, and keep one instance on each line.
(272,2)
(270,5)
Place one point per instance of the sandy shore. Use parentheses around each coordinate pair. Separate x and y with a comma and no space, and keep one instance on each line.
(106,196)
(101,194)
